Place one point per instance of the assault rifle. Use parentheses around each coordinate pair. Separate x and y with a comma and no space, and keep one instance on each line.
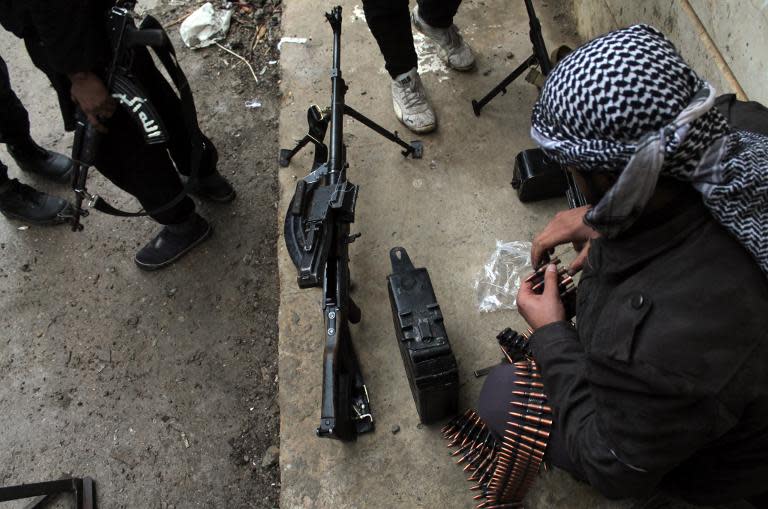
(317,236)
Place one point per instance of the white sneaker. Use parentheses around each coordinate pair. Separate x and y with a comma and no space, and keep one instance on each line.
(451,47)
(410,102)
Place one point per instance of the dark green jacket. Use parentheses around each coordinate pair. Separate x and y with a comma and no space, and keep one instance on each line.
(665,384)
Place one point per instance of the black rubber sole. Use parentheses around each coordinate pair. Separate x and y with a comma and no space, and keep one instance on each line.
(152,268)
(36,222)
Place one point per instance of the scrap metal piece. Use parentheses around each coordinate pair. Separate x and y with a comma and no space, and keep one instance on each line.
(83,491)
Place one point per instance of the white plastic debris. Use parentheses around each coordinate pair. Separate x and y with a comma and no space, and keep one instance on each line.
(253,104)
(205,26)
(291,40)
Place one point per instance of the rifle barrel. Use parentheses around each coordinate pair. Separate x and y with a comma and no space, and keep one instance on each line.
(338,89)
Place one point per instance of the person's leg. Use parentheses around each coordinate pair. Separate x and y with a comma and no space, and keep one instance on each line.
(495,404)
(17,200)
(147,172)
(14,120)
(144,171)
(438,13)
(210,184)
(14,131)
(434,18)
(390,24)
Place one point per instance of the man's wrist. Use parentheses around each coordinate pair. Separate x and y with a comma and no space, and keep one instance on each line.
(556,328)
(545,340)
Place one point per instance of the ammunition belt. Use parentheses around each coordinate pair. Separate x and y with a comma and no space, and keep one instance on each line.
(504,470)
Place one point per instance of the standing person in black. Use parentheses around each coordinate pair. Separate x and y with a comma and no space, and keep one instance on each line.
(68,42)
(661,387)
(390,23)
(17,200)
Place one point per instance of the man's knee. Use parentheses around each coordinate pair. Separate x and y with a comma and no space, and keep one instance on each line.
(493,405)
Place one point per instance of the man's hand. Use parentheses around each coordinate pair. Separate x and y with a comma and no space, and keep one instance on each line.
(541,310)
(566,226)
(92,96)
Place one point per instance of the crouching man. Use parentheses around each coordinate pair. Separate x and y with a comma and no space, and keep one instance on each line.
(663,384)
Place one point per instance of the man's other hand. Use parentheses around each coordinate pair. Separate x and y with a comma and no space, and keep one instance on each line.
(566,226)
(541,310)
(91,95)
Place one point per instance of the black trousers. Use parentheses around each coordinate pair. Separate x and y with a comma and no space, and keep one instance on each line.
(494,407)
(14,120)
(390,23)
(148,172)
(151,172)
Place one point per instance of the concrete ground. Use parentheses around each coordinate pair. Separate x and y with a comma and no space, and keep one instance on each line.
(447,209)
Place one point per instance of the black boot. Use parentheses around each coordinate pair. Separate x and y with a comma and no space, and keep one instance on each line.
(20,201)
(173,242)
(213,187)
(33,158)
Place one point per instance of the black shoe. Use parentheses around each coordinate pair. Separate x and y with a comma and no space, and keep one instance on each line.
(213,187)
(33,158)
(20,201)
(173,242)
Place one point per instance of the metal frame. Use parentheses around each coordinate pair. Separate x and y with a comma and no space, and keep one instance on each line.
(82,489)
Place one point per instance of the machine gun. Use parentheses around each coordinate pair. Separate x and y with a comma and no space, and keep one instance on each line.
(124,36)
(539,57)
(317,236)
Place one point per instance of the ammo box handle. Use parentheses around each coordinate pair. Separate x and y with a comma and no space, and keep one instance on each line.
(401,262)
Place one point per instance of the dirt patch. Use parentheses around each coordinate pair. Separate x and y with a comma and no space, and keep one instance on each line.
(163,387)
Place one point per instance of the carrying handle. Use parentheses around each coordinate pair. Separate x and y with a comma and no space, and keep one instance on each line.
(401,262)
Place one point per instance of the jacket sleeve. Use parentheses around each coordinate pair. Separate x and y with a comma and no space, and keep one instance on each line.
(623,430)
(72,32)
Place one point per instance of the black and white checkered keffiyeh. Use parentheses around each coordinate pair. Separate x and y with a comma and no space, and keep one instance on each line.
(628,103)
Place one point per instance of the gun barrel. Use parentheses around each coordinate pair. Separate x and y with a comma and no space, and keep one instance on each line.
(338,90)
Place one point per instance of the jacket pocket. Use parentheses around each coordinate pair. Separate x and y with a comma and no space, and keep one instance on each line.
(626,318)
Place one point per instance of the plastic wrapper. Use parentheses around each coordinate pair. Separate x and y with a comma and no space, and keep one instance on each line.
(205,26)
(497,283)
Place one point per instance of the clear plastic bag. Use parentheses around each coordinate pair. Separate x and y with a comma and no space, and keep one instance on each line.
(497,283)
